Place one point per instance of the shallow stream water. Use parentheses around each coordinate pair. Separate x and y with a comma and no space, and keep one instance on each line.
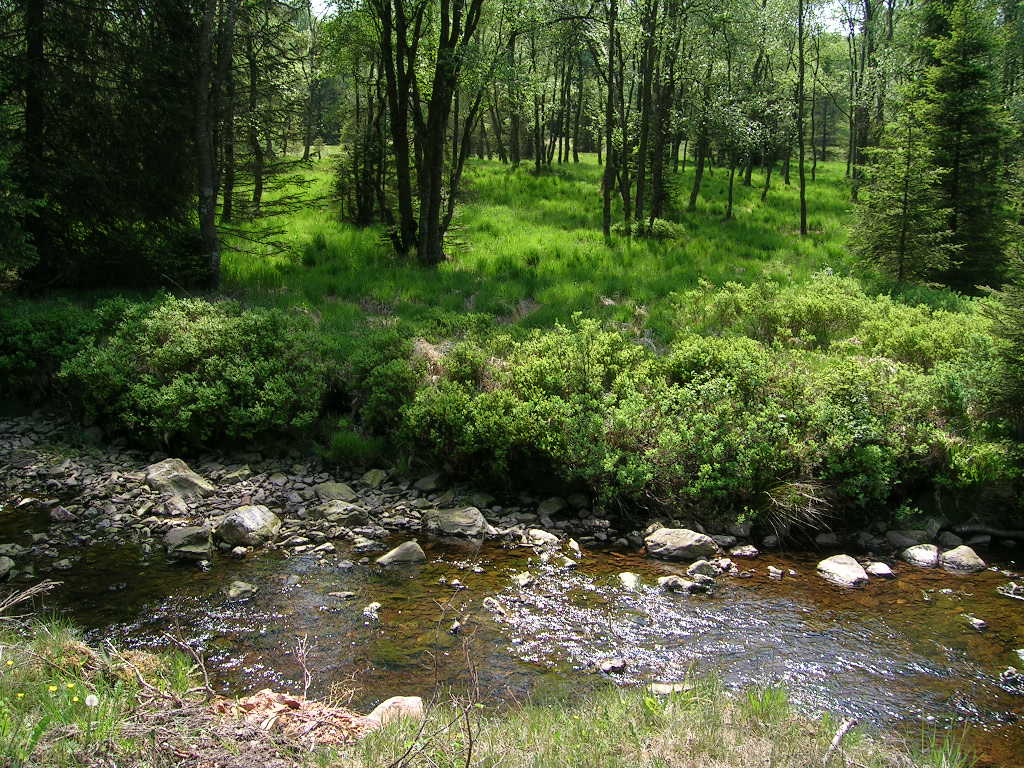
(897,654)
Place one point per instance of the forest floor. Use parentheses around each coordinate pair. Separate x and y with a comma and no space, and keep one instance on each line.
(527,250)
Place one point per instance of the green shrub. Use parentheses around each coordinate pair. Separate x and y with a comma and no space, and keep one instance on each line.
(349,447)
(187,371)
(385,390)
(37,337)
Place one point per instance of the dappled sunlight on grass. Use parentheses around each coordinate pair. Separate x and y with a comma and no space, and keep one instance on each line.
(521,238)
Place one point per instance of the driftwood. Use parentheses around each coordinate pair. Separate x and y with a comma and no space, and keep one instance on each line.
(837,739)
(998,533)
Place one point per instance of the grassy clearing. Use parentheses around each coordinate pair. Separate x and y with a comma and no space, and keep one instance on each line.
(150,710)
(527,250)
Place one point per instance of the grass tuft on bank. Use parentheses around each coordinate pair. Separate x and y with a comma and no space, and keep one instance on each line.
(64,703)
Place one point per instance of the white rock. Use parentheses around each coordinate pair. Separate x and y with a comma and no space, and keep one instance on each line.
(922,555)
(408,552)
(963,559)
(843,571)
(880,571)
(680,544)
(630,580)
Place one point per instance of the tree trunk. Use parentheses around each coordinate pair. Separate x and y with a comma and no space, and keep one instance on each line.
(204,143)
(609,128)
(801,140)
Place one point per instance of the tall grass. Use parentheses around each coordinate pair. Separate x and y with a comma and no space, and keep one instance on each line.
(528,251)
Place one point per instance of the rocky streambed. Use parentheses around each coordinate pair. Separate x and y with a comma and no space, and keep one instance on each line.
(244,556)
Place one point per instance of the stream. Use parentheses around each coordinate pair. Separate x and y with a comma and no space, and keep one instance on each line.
(896,655)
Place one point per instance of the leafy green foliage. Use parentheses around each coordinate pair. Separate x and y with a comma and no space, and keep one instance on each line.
(37,337)
(187,371)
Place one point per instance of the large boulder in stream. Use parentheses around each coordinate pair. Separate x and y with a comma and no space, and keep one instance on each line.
(963,559)
(843,571)
(190,542)
(680,544)
(409,552)
(464,521)
(923,555)
(173,476)
(249,526)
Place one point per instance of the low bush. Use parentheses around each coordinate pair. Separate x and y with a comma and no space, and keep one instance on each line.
(189,372)
(38,337)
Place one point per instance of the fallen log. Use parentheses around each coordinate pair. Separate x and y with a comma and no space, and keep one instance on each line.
(998,533)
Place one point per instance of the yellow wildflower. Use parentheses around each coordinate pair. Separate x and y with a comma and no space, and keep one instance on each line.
(10,663)
(70,686)
(52,688)
(74,698)
(21,695)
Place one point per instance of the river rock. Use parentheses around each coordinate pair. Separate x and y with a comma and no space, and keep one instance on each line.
(745,550)
(523,579)
(62,515)
(249,526)
(428,484)
(702,568)
(826,540)
(630,580)
(408,552)
(191,542)
(538,537)
(240,589)
(613,666)
(979,624)
(724,540)
(771,541)
(922,555)
(667,689)
(880,571)
(372,610)
(342,513)
(962,559)
(949,540)
(551,507)
(680,544)
(173,476)
(675,583)
(396,708)
(464,521)
(331,491)
(775,573)
(374,478)
(6,566)
(843,571)
(906,539)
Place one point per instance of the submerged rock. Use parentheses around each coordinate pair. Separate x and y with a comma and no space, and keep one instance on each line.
(680,544)
(174,476)
(240,589)
(979,624)
(523,579)
(465,521)
(843,571)
(249,526)
(961,558)
(922,555)
(408,552)
(191,542)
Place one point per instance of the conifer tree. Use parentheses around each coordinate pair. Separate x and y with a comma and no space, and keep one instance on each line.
(961,106)
(899,226)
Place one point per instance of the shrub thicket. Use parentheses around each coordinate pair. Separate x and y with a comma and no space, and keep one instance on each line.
(187,371)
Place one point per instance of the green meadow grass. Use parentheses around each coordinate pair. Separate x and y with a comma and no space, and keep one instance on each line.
(528,251)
